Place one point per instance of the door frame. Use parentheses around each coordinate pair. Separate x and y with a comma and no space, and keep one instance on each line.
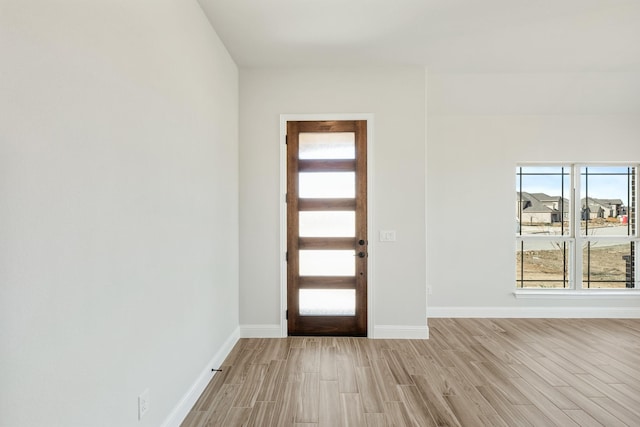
(284,118)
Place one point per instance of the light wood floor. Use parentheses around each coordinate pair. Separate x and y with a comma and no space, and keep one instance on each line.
(471,372)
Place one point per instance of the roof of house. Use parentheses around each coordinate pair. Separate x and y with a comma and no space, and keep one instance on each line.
(535,202)
(607,203)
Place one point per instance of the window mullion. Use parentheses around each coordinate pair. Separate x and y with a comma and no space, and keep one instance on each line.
(576,266)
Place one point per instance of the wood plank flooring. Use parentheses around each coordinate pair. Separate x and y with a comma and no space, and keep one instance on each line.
(471,372)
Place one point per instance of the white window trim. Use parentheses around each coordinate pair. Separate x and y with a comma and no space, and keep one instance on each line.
(576,240)
(574,294)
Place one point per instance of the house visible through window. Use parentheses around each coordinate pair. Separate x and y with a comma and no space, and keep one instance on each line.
(576,226)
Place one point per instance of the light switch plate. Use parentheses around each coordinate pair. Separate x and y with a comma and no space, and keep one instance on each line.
(387,235)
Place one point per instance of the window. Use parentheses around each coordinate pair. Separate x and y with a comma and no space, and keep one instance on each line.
(576,226)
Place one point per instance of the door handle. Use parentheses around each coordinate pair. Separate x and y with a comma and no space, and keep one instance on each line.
(361,242)
(361,254)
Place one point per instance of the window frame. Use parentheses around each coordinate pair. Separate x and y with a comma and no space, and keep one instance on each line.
(576,285)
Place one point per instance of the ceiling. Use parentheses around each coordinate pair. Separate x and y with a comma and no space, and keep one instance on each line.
(445,35)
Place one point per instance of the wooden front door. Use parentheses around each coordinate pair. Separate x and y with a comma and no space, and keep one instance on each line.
(327,227)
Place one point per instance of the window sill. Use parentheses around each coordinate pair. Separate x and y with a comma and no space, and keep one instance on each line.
(573,294)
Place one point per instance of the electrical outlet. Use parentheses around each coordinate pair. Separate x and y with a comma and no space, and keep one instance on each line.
(143,404)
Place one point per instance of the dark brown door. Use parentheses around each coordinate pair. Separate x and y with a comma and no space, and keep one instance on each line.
(327,227)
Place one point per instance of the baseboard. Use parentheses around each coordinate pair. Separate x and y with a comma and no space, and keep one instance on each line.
(180,412)
(536,312)
(260,331)
(381,331)
(401,332)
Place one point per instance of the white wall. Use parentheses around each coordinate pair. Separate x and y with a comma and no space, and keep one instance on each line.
(118,208)
(396,98)
(479,127)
